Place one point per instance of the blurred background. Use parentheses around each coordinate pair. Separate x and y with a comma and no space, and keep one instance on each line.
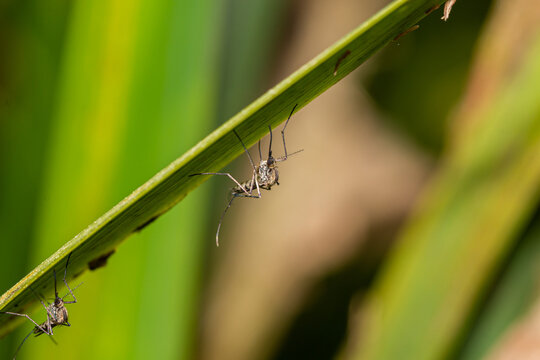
(97,96)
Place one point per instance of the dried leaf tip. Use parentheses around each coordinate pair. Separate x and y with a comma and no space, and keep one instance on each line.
(447,9)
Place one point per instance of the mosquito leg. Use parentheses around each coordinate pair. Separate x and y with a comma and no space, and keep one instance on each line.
(283,158)
(29,318)
(247,152)
(241,195)
(283,132)
(221,219)
(49,326)
(225,174)
(20,346)
(270,145)
(251,183)
(65,282)
(229,205)
(254,181)
(40,298)
(75,288)
(49,314)
(55,291)
(257,185)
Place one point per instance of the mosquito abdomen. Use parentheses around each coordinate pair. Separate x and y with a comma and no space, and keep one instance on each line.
(246,185)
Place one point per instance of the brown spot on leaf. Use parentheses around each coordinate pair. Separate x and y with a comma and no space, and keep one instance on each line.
(100,261)
(411,29)
(432,9)
(342,57)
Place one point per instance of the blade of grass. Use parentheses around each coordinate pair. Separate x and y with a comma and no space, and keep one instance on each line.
(173,183)
(136,46)
(515,294)
(170,253)
(466,225)
(29,68)
(86,142)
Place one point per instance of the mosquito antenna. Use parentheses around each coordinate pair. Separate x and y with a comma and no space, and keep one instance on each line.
(283,131)
(247,152)
(221,219)
(55,291)
(260,155)
(65,282)
(270,146)
(20,346)
(67,263)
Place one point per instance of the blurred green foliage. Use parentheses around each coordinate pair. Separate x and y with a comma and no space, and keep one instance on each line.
(111,87)
(507,299)
(432,63)
(96,96)
(30,48)
(107,94)
(468,221)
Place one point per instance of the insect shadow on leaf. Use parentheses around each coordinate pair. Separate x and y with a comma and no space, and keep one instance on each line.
(57,313)
(264,176)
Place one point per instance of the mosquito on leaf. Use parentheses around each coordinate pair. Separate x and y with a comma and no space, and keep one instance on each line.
(264,176)
(57,313)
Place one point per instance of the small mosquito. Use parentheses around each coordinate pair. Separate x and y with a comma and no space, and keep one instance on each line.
(57,313)
(264,176)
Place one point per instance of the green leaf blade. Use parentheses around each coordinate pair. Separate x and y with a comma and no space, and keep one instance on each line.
(173,183)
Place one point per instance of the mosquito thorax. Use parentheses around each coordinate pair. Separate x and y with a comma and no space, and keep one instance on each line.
(267,174)
(59,311)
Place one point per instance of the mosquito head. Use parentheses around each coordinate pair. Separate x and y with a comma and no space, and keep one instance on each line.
(58,302)
(271,162)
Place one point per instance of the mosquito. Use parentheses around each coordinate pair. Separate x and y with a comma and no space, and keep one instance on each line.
(264,176)
(57,313)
